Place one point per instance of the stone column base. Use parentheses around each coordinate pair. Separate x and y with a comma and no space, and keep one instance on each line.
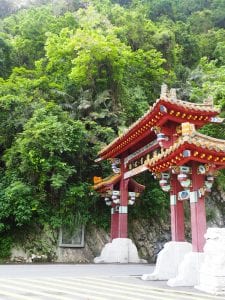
(188,270)
(120,250)
(168,261)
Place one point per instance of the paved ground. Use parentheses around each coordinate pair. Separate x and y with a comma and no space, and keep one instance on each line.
(84,282)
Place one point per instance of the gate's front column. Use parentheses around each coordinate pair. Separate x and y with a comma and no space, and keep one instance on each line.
(188,274)
(123,210)
(198,214)
(114,224)
(120,249)
(170,257)
(177,211)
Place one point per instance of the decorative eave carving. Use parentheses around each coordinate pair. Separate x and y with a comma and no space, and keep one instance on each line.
(110,182)
(201,148)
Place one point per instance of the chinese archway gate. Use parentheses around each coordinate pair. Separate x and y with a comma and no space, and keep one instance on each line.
(165,141)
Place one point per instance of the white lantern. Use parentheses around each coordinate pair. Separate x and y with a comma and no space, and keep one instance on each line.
(163,182)
(201,169)
(161,137)
(210,178)
(116,201)
(208,185)
(185,183)
(185,169)
(132,194)
(117,193)
(131,202)
(166,188)
(182,177)
(116,170)
(165,176)
(108,201)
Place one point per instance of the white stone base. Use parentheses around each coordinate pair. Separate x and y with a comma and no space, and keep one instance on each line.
(212,272)
(120,250)
(211,284)
(188,270)
(168,261)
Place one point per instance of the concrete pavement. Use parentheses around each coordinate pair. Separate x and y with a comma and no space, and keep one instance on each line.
(89,281)
(76,270)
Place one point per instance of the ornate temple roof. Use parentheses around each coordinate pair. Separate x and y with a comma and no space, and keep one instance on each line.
(164,109)
(195,146)
(109,183)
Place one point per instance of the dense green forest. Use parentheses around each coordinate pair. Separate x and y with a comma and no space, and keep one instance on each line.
(73,75)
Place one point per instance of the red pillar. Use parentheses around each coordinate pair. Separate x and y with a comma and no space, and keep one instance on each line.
(114,224)
(177,211)
(123,209)
(198,214)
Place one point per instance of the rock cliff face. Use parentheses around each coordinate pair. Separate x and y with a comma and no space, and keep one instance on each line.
(149,237)
(215,208)
(95,239)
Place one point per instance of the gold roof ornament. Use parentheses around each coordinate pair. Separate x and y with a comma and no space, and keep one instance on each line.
(187,128)
(97,179)
(110,180)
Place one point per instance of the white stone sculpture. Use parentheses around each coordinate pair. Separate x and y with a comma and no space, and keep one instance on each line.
(188,270)
(212,272)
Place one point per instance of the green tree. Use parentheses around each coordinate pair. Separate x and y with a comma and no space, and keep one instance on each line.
(5,58)
(28,30)
(207,80)
(44,160)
